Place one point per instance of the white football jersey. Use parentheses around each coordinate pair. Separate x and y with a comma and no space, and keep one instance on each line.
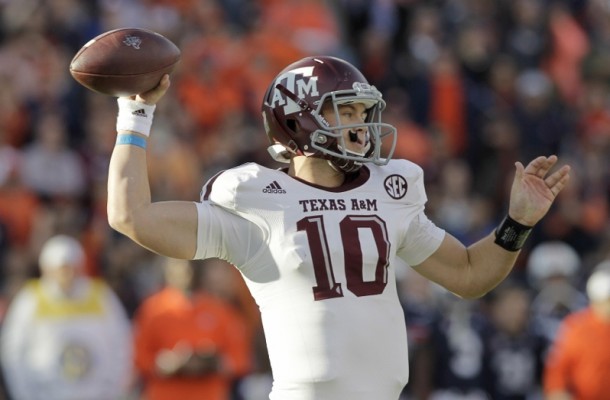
(320,264)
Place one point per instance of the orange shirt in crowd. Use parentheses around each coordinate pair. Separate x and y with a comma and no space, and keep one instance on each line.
(18,209)
(448,105)
(169,318)
(579,361)
(569,45)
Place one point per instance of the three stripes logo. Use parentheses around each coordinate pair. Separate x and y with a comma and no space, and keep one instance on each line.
(273,187)
(139,113)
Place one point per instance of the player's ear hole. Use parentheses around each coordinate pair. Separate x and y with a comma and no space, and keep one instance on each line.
(292,125)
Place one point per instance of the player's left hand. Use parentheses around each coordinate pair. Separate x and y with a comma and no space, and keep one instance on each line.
(533,192)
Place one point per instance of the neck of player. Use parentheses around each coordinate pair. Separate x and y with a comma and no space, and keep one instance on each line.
(316,171)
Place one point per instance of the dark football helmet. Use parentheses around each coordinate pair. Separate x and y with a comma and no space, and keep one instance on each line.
(293,121)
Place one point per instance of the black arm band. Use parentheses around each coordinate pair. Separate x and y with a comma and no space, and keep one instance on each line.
(511,235)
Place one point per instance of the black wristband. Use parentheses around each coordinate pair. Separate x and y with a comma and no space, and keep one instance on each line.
(511,235)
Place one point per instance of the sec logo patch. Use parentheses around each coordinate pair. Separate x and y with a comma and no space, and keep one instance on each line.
(396,186)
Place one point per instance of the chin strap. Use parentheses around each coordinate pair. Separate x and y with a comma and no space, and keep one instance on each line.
(334,166)
(279,153)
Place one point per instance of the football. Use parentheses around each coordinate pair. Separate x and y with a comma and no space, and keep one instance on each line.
(124,62)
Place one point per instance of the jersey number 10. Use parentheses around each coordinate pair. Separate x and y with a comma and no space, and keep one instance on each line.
(326,285)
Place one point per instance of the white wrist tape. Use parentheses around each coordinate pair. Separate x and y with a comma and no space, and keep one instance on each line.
(134,116)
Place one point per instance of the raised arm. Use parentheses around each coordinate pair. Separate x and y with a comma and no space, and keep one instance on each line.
(472,271)
(167,228)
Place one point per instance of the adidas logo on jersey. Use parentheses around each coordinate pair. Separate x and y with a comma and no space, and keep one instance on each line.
(273,187)
(139,113)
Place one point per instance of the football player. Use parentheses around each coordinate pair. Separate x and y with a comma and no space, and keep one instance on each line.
(317,241)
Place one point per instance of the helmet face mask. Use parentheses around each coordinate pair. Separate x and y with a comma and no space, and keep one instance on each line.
(293,113)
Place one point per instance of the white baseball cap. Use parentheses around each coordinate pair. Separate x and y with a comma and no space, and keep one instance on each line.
(553,258)
(61,250)
(598,284)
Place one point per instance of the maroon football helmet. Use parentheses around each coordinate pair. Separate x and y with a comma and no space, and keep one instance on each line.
(292,113)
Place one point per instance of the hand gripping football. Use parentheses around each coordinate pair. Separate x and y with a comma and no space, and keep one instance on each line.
(124,62)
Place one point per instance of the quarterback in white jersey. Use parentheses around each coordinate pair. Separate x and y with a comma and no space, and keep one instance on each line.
(320,265)
(317,242)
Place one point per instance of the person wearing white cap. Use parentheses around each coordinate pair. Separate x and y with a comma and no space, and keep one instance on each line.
(552,269)
(66,336)
(578,365)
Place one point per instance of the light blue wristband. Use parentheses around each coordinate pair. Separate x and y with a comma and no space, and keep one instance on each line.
(133,140)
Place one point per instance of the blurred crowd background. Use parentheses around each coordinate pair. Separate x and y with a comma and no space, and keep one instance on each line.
(471,85)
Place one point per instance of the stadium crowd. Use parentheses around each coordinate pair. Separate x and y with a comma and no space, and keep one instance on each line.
(471,85)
